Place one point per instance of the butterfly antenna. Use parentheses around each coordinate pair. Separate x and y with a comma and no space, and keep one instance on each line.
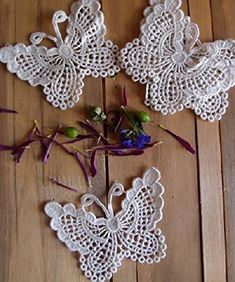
(116,190)
(59,17)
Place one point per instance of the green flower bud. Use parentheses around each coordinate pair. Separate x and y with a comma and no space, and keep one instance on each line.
(97,114)
(143,117)
(70,132)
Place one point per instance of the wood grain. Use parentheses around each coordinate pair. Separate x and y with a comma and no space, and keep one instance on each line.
(194,215)
(181,195)
(210,174)
(224,27)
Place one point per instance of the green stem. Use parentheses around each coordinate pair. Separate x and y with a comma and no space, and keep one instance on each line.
(131,120)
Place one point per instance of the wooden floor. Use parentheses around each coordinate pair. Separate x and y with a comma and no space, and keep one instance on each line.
(199,213)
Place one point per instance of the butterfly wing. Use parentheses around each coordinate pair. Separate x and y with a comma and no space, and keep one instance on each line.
(64,91)
(141,210)
(92,54)
(61,82)
(103,261)
(37,65)
(161,35)
(204,88)
(61,70)
(179,70)
(81,231)
(78,229)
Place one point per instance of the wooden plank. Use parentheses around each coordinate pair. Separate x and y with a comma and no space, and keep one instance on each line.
(7,169)
(25,252)
(210,173)
(58,256)
(28,242)
(179,169)
(223,28)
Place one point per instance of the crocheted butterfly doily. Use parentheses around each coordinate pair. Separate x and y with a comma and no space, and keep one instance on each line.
(104,242)
(61,70)
(179,70)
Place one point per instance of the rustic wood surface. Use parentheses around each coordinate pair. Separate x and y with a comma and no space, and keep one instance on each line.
(199,208)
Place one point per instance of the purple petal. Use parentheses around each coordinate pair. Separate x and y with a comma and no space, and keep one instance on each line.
(62,185)
(124,97)
(74,154)
(20,149)
(93,163)
(83,167)
(182,141)
(109,147)
(78,138)
(6,148)
(48,146)
(93,131)
(118,150)
(8,111)
(57,144)
(131,153)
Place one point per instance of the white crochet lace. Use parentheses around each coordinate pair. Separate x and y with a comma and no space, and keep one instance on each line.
(104,242)
(179,70)
(61,70)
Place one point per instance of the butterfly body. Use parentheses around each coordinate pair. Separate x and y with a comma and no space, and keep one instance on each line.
(61,70)
(104,242)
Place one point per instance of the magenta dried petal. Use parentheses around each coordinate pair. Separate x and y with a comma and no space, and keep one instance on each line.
(182,141)
(131,153)
(93,131)
(93,163)
(6,148)
(62,185)
(124,97)
(78,138)
(47,147)
(19,150)
(83,167)
(2,110)
(57,144)
(74,154)
(118,150)
(109,147)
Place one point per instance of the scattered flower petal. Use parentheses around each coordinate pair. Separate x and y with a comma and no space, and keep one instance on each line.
(48,146)
(83,167)
(62,185)
(20,149)
(182,141)
(93,163)
(2,110)
(124,97)
(93,131)
(6,148)
(78,138)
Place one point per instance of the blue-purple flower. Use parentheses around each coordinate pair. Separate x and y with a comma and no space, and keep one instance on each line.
(132,139)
